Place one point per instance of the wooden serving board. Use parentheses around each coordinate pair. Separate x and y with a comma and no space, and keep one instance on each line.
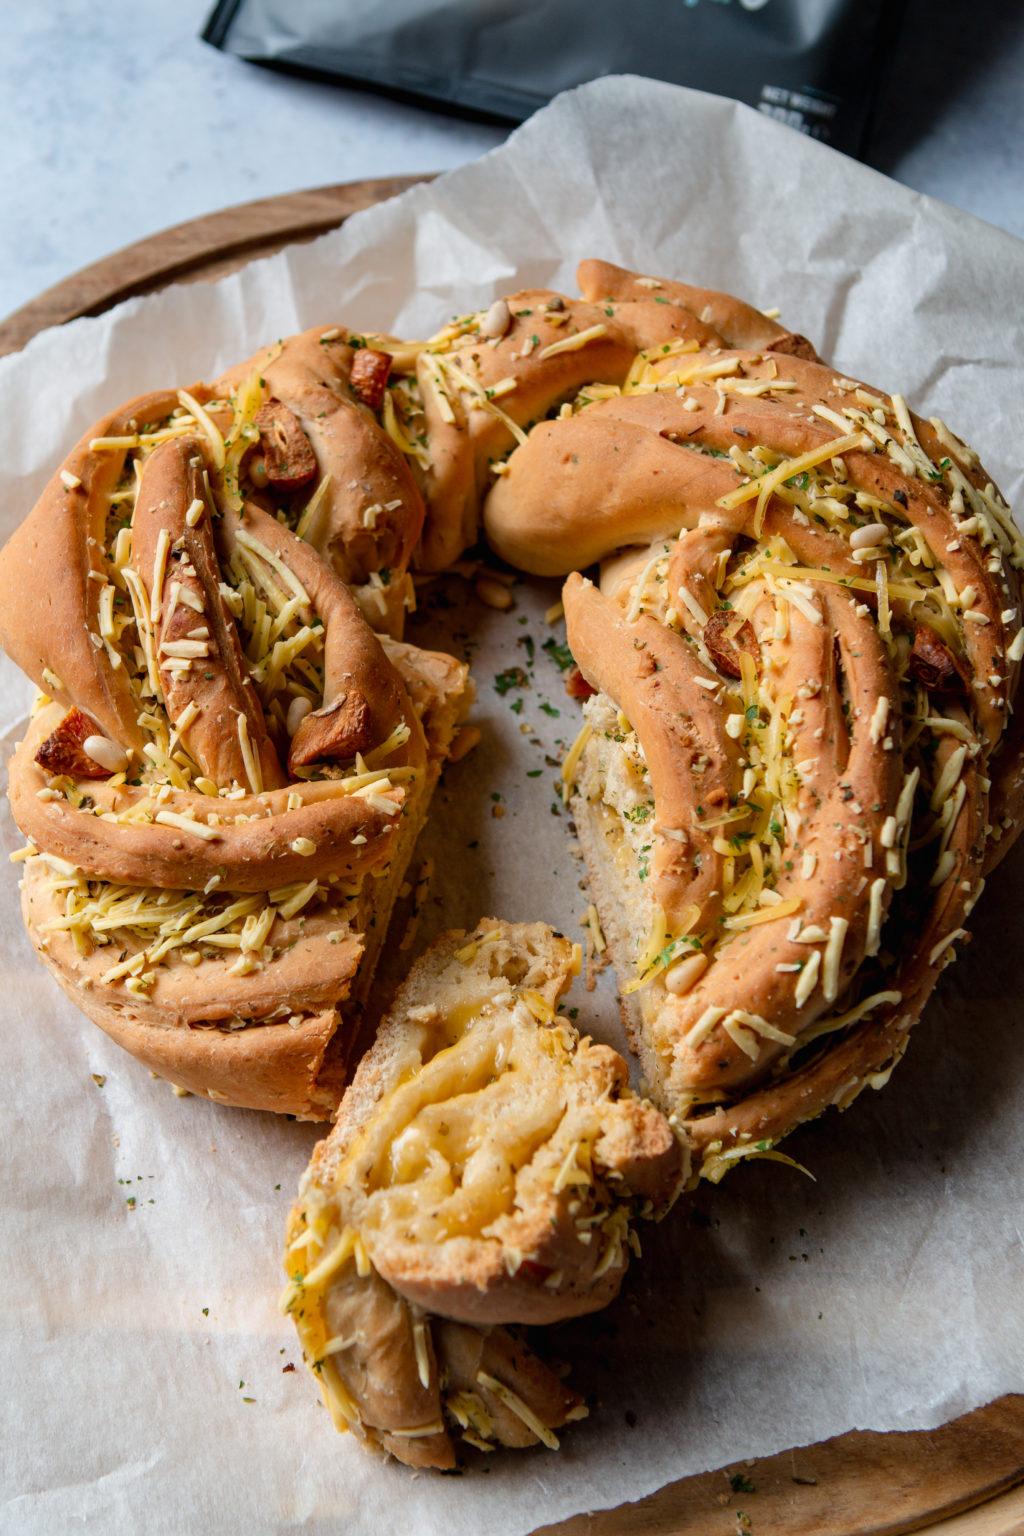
(963,1479)
(199,250)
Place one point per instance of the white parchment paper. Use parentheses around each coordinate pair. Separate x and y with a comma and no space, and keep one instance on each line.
(140,1232)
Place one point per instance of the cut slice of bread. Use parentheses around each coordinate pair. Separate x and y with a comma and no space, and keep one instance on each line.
(623,911)
(484,1169)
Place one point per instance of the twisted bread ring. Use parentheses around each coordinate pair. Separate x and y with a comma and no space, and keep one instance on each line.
(805,646)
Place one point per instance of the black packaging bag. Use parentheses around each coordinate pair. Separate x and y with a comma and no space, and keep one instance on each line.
(811,63)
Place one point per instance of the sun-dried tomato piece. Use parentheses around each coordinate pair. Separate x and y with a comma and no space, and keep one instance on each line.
(576,685)
(339,730)
(285,452)
(369,376)
(724,648)
(63,751)
(933,663)
(795,345)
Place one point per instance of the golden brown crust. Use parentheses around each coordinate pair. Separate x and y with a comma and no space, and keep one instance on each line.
(276,1037)
(355,662)
(275,1065)
(350,836)
(726,318)
(487,377)
(422,1387)
(649,672)
(458,387)
(316,961)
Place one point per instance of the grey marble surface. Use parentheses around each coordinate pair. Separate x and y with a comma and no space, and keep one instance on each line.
(116,121)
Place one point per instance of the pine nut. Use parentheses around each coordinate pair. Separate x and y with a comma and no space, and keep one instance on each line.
(679,978)
(497,320)
(493,593)
(105,752)
(868,536)
(298,709)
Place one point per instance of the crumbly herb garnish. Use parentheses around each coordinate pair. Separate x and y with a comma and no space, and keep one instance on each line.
(639,813)
(512,677)
(560,654)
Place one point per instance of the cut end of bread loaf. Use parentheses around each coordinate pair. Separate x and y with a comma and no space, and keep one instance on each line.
(485,1168)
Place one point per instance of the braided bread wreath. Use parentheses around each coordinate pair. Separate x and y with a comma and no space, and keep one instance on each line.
(798,761)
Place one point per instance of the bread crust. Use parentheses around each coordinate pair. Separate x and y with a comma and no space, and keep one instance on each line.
(481,383)
(49,638)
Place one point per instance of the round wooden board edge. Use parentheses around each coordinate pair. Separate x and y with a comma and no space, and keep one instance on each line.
(863,1483)
(199,249)
(786,1504)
